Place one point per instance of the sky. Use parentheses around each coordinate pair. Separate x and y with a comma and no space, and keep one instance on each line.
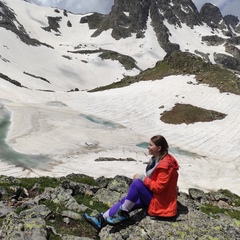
(104,6)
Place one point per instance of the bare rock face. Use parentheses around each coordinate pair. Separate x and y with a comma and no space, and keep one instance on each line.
(227,61)
(232,50)
(131,17)
(233,22)
(211,15)
(9,21)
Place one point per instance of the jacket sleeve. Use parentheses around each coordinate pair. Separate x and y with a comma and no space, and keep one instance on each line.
(160,182)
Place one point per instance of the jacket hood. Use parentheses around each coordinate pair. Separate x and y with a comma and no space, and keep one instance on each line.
(168,161)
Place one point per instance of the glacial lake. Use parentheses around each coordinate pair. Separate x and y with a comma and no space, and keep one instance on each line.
(26,161)
(8,155)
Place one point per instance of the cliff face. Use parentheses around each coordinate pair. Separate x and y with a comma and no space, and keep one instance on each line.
(132,17)
(51,208)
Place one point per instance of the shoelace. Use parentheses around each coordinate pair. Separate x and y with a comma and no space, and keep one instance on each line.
(123,213)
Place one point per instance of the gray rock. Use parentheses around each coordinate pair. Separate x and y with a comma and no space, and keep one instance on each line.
(232,50)
(37,211)
(71,215)
(68,237)
(112,198)
(227,61)
(213,40)
(17,228)
(190,222)
(119,184)
(5,209)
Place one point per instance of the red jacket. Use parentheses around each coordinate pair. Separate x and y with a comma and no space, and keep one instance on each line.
(163,184)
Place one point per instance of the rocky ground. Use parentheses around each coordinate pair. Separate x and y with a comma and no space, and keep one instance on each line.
(51,208)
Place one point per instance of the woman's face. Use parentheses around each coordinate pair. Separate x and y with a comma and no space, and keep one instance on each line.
(153,149)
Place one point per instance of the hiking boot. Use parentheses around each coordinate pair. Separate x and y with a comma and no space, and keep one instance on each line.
(119,217)
(97,222)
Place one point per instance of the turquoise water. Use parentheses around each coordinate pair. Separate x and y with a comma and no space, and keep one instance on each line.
(171,150)
(8,155)
(101,121)
(26,161)
(143,144)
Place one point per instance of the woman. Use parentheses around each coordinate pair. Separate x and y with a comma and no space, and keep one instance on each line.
(156,190)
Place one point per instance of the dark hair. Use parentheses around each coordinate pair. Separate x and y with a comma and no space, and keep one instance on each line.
(160,141)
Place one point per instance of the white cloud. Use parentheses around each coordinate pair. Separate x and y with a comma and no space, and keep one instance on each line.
(104,6)
(78,6)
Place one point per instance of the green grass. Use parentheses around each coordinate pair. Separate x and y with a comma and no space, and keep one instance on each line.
(179,63)
(186,113)
(82,179)
(91,203)
(74,227)
(44,182)
(128,62)
(235,198)
(214,210)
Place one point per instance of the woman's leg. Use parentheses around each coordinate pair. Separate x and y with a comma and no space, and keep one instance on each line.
(138,196)
(139,193)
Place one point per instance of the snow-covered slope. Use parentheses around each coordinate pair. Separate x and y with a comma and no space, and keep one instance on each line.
(75,128)
(65,70)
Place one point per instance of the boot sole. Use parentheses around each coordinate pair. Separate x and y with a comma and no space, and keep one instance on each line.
(92,224)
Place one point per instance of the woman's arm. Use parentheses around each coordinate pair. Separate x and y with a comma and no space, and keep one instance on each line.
(161,181)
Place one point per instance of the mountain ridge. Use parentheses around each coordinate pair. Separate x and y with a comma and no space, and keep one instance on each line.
(130,20)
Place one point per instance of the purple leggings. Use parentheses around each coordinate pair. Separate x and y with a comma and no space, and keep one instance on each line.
(137,193)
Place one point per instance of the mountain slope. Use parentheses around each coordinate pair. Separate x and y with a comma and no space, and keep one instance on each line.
(51,59)
(67,44)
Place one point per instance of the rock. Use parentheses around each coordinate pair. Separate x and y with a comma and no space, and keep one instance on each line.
(112,198)
(232,50)
(36,211)
(71,214)
(232,22)
(2,192)
(9,21)
(119,184)
(28,220)
(227,61)
(213,40)
(17,228)
(4,209)
(211,15)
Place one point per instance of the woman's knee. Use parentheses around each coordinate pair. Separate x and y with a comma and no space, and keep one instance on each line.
(137,183)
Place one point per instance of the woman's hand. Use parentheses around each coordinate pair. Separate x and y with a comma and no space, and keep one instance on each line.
(136,176)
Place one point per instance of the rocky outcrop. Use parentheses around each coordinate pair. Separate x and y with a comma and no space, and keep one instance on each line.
(5,77)
(213,40)
(233,22)
(233,40)
(131,17)
(53,24)
(232,50)
(9,21)
(227,61)
(211,15)
(31,213)
(178,12)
